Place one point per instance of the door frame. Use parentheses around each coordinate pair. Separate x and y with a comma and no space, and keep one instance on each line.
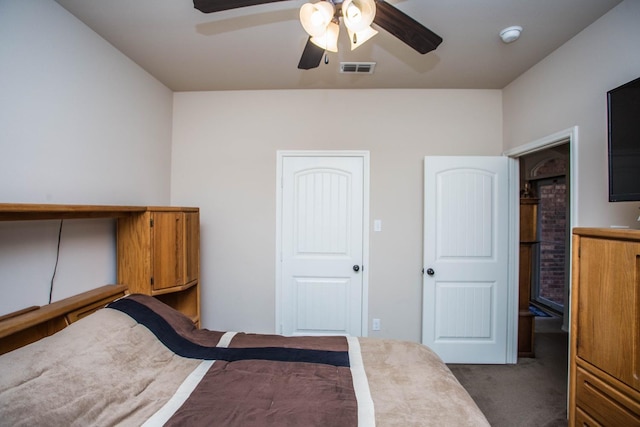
(280,155)
(569,136)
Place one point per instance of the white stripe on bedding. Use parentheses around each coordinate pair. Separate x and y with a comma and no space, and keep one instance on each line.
(366,412)
(226,339)
(180,396)
(186,388)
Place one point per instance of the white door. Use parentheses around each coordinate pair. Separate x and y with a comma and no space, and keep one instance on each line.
(322,247)
(466,232)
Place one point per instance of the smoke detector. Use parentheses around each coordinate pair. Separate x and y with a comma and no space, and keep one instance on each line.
(511,34)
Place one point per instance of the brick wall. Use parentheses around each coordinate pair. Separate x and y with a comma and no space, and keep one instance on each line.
(553,222)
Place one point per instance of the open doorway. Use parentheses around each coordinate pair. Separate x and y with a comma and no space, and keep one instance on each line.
(544,177)
(540,159)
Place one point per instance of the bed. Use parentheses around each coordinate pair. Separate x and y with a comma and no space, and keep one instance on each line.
(137,362)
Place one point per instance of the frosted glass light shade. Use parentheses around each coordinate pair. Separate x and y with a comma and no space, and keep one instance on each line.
(328,40)
(358,14)
(358,38)
(316,17)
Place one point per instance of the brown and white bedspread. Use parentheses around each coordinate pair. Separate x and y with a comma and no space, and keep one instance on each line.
(138,362)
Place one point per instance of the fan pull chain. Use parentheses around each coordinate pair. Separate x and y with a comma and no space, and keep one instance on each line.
(326,58)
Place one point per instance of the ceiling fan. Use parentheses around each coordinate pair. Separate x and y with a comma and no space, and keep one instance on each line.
(321,21)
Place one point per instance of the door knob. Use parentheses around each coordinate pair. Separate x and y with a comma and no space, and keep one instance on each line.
(356,268)
(430,271)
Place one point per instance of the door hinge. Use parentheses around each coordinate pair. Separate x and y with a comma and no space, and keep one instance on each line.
(152,280)
(151,222)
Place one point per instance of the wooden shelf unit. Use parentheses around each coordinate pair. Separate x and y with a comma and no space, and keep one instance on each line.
(528,242)
(31,212)
(604,359)
(158,254)
(168,253)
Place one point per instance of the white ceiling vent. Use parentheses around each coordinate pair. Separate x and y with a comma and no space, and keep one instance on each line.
(357,67)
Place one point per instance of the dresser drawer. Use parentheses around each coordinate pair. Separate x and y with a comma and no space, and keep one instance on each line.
(584,420)
(602,402)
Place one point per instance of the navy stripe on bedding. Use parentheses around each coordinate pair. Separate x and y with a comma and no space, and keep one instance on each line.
(185,348)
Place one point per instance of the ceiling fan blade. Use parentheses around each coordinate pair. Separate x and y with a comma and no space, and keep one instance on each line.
(405,28)
(311,56)
(209,6)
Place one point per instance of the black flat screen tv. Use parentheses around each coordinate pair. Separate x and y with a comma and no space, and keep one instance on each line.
(623,106)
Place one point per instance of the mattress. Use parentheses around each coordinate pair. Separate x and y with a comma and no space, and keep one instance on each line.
(139,362)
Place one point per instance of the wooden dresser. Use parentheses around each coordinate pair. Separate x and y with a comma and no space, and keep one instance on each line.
(604,386)
(158,254)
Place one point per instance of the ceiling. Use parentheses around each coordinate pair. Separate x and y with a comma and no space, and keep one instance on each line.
(258,47)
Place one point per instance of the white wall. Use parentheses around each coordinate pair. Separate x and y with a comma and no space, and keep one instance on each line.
(224,160)
(79,123)
(568,88)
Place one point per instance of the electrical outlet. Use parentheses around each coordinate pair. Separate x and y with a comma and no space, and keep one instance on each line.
(375,324)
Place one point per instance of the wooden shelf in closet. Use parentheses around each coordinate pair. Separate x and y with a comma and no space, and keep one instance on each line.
(528,242)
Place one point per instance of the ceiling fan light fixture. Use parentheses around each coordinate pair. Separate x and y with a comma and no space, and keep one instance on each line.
(328,40)
(316,17)
(358,14)
(359,38)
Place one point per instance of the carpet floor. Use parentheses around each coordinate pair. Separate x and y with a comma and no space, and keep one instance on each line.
(531,393)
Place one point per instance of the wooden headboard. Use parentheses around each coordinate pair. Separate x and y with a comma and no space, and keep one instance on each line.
(33,323)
